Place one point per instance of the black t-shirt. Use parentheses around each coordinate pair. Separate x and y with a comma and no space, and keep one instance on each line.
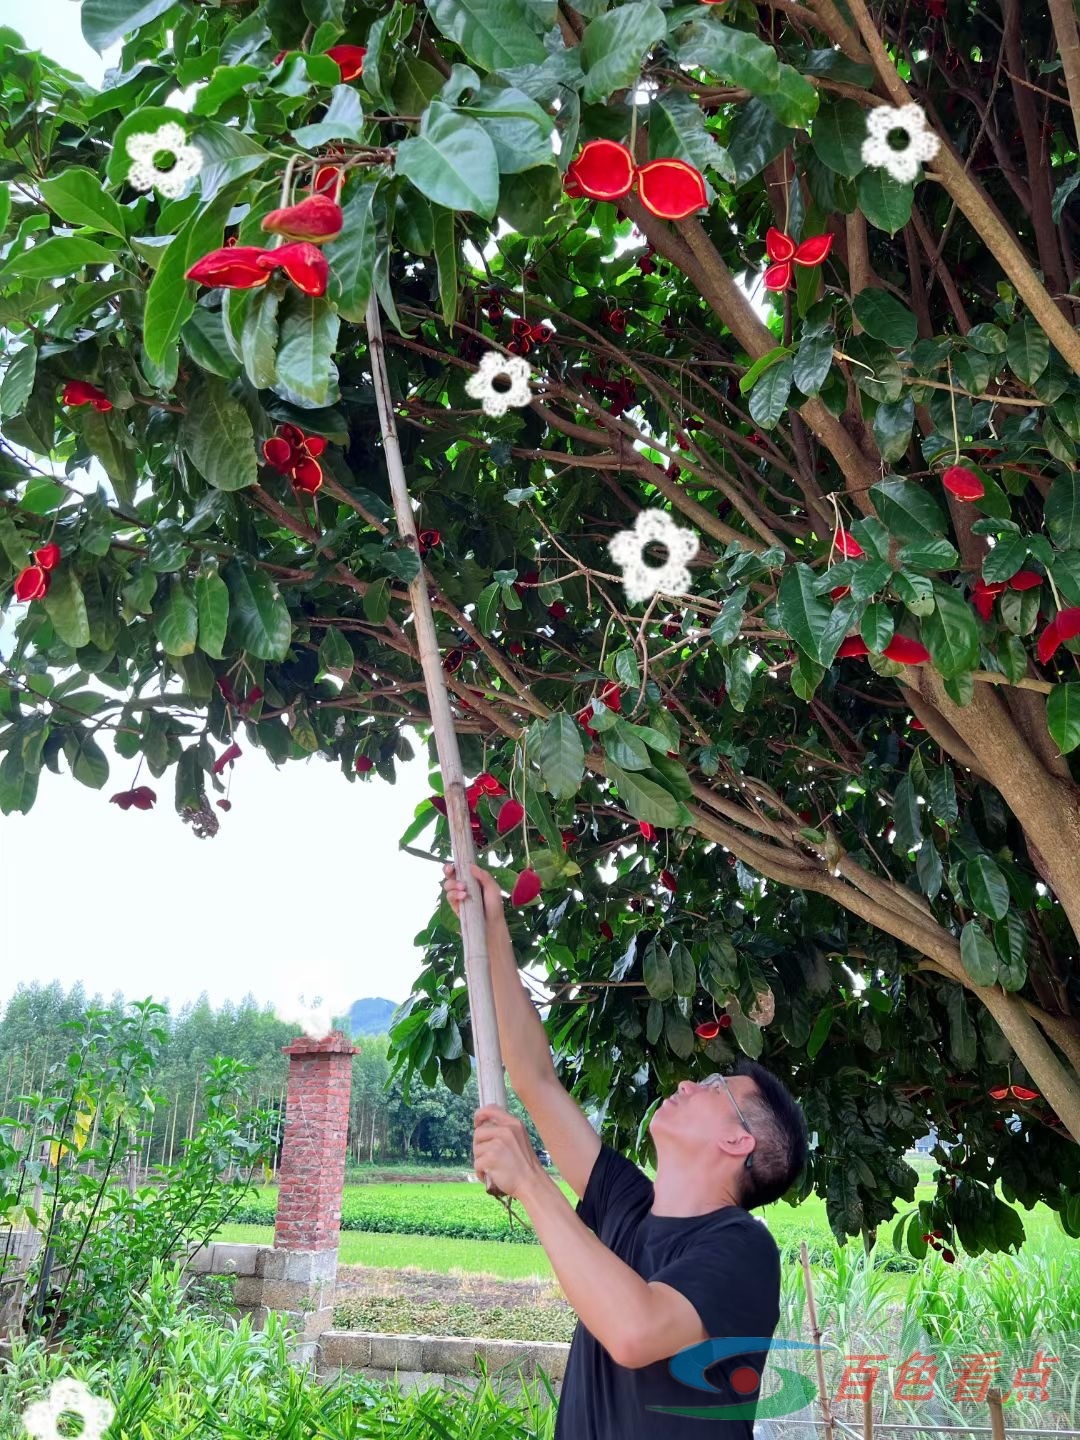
(727,1265)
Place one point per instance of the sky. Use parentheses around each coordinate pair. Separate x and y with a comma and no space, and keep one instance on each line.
(303,891)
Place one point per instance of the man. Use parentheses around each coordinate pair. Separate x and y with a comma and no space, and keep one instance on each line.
(651,1269)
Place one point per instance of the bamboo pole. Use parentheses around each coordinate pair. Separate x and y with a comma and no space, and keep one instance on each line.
(474,939)
(997,1414)
(826,1412)
(868,1416)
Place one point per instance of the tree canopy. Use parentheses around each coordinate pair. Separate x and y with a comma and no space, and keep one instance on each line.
(820,806)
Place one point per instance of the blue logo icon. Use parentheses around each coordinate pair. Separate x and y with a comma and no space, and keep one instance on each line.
(689,1367)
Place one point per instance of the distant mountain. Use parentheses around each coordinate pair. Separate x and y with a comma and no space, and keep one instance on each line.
(370,1016)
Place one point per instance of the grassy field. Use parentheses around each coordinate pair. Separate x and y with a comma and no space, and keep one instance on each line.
(397,1216)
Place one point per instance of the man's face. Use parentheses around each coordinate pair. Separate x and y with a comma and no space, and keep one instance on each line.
(699,1114)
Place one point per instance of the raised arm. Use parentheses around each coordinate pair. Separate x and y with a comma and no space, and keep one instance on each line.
(568,1137)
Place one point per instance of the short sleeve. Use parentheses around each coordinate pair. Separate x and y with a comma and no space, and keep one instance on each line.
(615,1184)
(731,1276)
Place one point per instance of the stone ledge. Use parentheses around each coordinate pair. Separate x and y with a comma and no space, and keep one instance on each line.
(451,1355)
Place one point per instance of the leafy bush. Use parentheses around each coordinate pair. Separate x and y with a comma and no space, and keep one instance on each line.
(100,1240)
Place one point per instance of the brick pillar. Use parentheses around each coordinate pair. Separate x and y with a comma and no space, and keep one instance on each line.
(312,1170)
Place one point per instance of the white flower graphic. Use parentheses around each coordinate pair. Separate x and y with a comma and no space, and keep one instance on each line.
(627,549)
(902,165)
(315,1020)
(42,1418)
(481,386)
(145,175)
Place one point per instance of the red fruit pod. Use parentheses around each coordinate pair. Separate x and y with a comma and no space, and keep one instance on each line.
(725,1021)
(853,646)
(813,251)
(223,804)
(48,557)
(963,483)
(583,717)
(278,452)
(906,651)
(488,784)
(948,1256)
(427,540)
(647,831)
(605,930)
(307,476)
(31,583)
(438,802)
(526,888)
(668,881)
(848,545)
(671,189)
(1023,580)
(326,180)
(779,246)
(81,392)
(349,60)
(708,1029)
(983,596)
(227,757)
(611,695)
(231,267)
(313,444)
(603,170)
(558,610)
(839,591)
(510,816)
(364,763)
(304,264)
(317,219)
(143,798)
(1021,1092)
(778,276)
(568,838)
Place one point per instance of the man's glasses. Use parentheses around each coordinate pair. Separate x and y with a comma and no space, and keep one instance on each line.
(742,1118)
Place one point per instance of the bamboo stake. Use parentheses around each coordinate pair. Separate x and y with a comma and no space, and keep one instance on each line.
(826,1412)
(474,939)
(868,1416)
(997,1415)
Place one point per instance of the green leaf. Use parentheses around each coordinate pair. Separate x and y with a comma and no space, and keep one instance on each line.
(769,397)
(931,555)
(1005,559)
(885,202)
(615,45)
(344,120)
(951,633)
(229,153)
(820,1032)
(748,1036)
(978,955)
(813,360)
(1063,715)
(562,757)
(795,101)
(216,434)
(677,127)
(224,83)
(884,318)
(518,128)
(446,258)
(106,21)
(66,607)
(259,619)
(1027,350)
(877,627)
(336,654)
(259,338)
(733,55)
(906,816)
(306,371)
(990,339)
(63,255)
(678,1034)
(452,161)
(962,1044)
(18,381)
(212,604)
(987,886)
(208,344)
(656,972)
(645,799)
(654,1021)
(77,196)
(494,34)
(910,512)
(176,621)
(837,136)
(1062,511)
(754,372)
(88,761)
(892,427)
(377,601)
(352,255)
(623,747)
(170,298)
(816,627)
(683,970)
